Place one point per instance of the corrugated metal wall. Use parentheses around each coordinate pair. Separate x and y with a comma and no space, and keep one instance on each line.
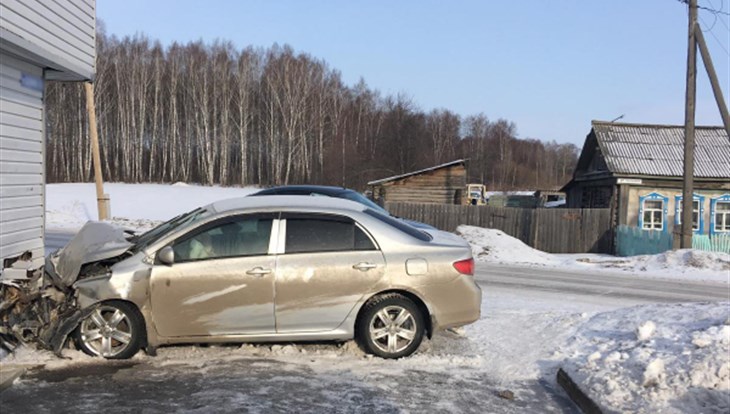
(64,28)
(21,159)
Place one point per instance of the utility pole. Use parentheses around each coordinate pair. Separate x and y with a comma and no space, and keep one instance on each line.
(689,128)
(102,200)
(716,89)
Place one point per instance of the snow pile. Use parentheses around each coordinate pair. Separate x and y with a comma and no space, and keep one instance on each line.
(655,358)
(682,260)
(30,356)
(497,247)
(132,205)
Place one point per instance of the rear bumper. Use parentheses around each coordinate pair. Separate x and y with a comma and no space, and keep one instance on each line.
(456,303)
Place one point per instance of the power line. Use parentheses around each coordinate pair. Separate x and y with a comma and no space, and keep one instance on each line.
(715,36)
(711,10)
(722,7)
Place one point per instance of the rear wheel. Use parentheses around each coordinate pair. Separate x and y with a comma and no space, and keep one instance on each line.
(114,330)
(391,326)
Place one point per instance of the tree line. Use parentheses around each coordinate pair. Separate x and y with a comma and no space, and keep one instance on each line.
(210,113)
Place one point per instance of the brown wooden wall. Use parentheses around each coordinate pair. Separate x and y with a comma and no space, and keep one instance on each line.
(549,230)
(440,186)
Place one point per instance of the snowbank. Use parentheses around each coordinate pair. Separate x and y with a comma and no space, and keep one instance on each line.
(681,260)
(655,358)
(495,246)
(135,205)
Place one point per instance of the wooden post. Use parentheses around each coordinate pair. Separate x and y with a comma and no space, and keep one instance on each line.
(716,89)
(102,200)
(689,129)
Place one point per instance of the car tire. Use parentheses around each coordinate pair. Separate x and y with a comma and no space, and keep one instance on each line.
(114,330)
(391,326)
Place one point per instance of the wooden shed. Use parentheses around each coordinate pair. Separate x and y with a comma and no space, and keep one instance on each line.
(442,184)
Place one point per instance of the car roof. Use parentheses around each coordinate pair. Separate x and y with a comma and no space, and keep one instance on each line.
(287,202)
(323,189)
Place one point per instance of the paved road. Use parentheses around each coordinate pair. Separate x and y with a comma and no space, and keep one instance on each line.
(615,285)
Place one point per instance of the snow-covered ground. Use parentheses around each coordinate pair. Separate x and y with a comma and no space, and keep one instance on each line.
(495,246)
(140,206)
(630,356)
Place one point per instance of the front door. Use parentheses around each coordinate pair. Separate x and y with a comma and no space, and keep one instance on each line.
(222,281)
(328,265)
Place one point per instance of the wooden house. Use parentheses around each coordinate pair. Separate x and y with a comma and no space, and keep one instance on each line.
(636,170)
(442,184)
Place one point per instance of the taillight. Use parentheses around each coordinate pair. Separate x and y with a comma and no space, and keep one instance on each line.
(465,267)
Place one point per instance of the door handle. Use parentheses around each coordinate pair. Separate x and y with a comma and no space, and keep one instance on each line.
(258,271)
(364,267)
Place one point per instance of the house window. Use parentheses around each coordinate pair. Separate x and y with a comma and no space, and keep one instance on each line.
(653,212)
(653,215)
(722,216)
(695,213)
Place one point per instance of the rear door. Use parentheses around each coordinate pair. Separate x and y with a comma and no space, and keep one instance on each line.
(329,263)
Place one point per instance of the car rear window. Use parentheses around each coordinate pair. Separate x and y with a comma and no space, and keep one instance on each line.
(400,225)
(308,235)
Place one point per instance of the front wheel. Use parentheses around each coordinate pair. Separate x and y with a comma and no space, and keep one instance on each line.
(114,330)
(391,326)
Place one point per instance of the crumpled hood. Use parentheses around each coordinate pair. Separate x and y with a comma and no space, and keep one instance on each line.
(95,241)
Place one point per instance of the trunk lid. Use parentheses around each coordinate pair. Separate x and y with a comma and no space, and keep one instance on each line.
(444,238)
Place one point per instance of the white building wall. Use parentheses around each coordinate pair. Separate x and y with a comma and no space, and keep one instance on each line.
(63,30)
(22,172)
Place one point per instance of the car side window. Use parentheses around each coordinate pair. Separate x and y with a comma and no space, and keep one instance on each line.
(242,236)
(308,235)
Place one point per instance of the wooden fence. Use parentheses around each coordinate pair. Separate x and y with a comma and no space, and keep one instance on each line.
(550,230)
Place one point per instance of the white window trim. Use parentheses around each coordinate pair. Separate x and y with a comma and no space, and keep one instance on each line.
(661,215)
(725,216)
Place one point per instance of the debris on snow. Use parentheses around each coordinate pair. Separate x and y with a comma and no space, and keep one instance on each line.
(506,394)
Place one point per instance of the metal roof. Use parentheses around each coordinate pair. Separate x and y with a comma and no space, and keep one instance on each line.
(398,177)
(639,149)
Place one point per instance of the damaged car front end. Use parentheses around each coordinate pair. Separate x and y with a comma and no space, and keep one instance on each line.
(44,305)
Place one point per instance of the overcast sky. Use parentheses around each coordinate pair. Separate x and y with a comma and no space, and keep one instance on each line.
(549,66)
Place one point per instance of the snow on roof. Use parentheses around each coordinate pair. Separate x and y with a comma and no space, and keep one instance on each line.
(398,177)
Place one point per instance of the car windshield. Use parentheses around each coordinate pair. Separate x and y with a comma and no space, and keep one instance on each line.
(156,233)
(359,198)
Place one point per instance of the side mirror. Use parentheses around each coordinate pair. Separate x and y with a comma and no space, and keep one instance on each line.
(166,256)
